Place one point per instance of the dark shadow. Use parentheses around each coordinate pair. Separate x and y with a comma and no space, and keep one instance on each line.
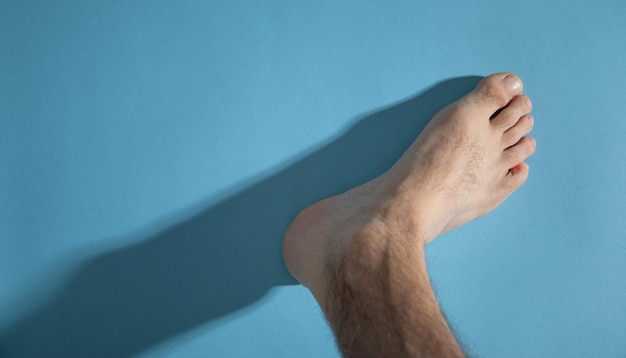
(223,259)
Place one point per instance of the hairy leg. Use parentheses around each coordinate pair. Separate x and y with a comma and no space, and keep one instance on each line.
(361,253)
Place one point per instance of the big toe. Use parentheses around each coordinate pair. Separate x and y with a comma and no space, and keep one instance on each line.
(494,92)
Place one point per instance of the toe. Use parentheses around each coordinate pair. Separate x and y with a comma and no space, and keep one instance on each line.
(494,92)
(519,152)
(512,135)
(515,177)
(509,115)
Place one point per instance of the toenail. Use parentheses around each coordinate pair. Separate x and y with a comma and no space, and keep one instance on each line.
(528,102)
(512,84)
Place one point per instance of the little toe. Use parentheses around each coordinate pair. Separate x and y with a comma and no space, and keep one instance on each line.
(517,153)
(515,177)
(509,115)
(512,135)
(494,92)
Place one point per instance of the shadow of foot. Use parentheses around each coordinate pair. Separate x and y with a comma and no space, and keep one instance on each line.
(223,259)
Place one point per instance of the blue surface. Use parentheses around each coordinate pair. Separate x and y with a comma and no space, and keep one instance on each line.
(153,153)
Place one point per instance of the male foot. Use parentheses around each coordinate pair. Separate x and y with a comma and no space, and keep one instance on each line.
(468,159)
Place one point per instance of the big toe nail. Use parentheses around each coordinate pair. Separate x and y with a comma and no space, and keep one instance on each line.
(513,85)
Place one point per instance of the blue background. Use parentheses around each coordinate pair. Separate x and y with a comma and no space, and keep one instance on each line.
(152,154)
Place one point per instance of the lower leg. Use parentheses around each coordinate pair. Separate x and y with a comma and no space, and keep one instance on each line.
(382,304)
(361,253)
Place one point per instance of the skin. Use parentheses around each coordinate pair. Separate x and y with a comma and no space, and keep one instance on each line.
(361,253)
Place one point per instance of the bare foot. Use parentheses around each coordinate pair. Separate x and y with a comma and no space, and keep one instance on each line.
(463,165)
